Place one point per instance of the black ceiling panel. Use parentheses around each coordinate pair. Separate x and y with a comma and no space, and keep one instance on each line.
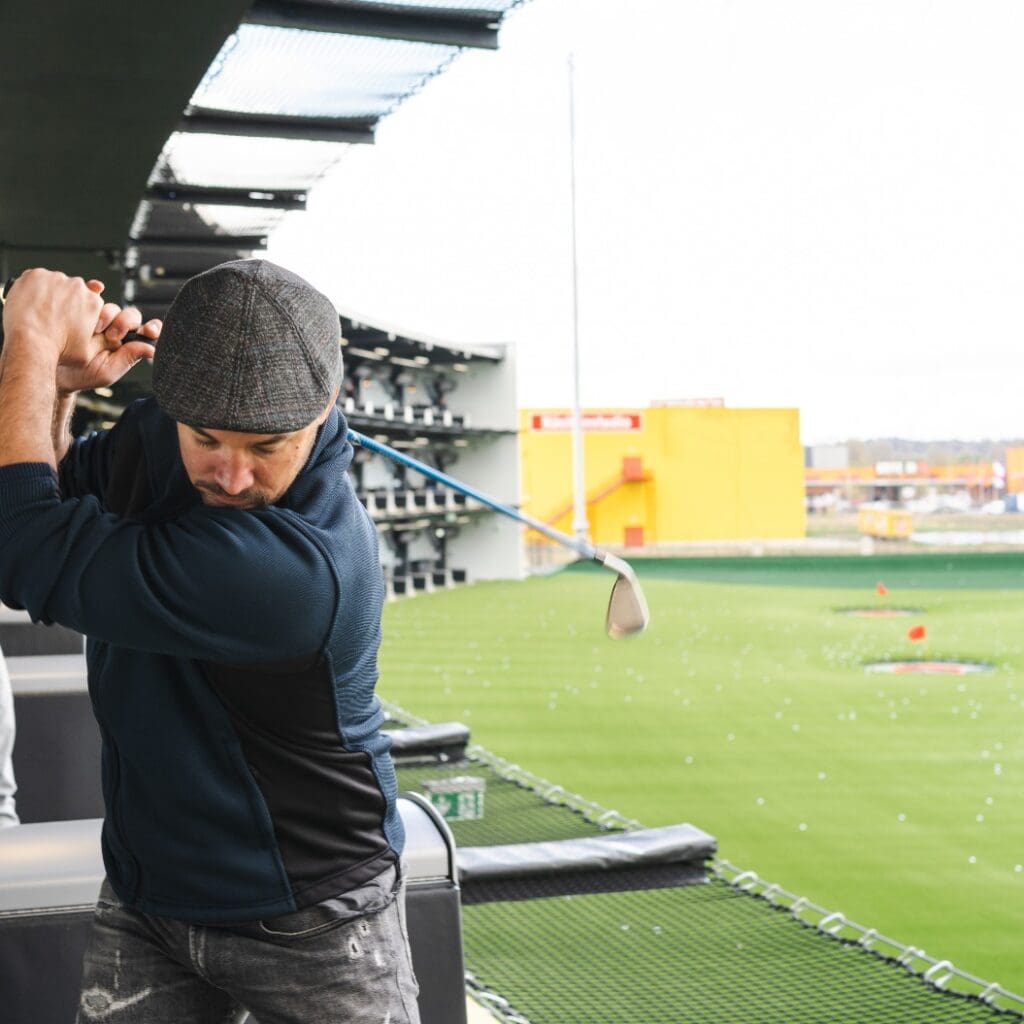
(90,94)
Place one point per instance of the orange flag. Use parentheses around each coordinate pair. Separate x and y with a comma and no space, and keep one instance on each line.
(916,633)
(882,589)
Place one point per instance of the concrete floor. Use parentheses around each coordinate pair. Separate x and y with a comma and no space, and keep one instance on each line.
(476,1014)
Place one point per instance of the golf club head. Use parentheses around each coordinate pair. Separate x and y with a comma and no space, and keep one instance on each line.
(627,608)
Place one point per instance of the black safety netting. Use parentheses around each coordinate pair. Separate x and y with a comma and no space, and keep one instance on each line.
(699,954)
(661,944)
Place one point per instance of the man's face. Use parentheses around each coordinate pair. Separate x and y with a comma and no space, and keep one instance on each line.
(233,469)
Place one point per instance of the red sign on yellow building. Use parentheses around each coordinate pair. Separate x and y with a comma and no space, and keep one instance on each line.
(592,421)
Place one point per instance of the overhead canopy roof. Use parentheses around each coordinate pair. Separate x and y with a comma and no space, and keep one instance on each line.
(161,139)
(90,94)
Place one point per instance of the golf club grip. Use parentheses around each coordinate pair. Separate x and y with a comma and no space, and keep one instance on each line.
(581,548)
(130,336)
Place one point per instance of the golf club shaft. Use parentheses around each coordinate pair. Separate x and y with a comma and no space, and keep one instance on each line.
(582,549)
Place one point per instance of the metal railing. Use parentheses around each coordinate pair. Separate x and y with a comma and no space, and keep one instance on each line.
(939,973)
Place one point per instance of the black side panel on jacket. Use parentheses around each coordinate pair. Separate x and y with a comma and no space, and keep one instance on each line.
(325,801)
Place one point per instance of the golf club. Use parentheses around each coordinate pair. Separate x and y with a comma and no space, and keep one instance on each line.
(627,608)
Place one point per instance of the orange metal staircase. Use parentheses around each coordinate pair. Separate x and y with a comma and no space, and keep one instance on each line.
(632,472)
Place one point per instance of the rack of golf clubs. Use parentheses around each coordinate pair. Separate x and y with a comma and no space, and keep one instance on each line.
(455,411)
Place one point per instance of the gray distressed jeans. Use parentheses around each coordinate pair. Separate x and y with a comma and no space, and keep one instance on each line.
(8,815)
(343,961)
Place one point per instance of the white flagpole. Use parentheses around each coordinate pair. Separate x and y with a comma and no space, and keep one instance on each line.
(580,525)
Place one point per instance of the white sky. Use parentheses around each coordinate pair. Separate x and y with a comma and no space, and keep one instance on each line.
(817,203)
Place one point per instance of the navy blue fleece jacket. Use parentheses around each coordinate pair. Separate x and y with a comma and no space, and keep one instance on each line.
(232,660)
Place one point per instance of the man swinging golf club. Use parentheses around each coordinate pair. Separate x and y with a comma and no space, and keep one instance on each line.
(211,548)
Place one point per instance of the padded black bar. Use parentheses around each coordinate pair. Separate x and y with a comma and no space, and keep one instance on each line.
(672,844)
(278,126)
(447,739)
(229,242)
(263,198)
(584,883)
(418,24)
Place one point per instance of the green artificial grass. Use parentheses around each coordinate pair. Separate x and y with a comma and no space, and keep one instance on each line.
(745,709)
(987,570)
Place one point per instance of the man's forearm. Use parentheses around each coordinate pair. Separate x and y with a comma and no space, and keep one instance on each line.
(60,431)
(27,398)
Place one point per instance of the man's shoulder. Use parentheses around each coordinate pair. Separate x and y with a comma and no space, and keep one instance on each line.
(149,422)
(142,410)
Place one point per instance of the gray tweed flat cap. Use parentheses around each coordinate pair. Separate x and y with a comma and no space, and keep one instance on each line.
(248,346)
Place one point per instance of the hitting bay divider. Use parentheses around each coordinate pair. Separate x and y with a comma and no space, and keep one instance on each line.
(557,933)
(20,636)
(50,873)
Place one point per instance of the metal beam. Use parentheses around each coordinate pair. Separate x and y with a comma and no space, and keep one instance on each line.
(228,242)
(417,24)
(162,282)
(155,292)
(278,126)
(263,198)
(153,308)
(160,293)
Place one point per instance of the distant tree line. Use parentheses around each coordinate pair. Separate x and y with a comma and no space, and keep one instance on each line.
(884,449)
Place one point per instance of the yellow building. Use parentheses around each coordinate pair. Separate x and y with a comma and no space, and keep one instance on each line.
(669,473)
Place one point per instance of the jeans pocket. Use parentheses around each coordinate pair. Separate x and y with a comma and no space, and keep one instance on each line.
(358,904)
(302,925)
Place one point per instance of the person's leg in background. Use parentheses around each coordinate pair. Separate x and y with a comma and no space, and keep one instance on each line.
(8,814)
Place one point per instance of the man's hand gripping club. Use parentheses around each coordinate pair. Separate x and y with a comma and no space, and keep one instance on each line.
(59,338)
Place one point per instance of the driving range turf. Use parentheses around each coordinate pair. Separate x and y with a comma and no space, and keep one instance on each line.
(746,710)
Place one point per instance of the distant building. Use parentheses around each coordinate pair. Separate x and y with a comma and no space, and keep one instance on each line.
(827,456)
(1015,470)
(669,473)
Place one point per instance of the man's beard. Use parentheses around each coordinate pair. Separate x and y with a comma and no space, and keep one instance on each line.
(249,500)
